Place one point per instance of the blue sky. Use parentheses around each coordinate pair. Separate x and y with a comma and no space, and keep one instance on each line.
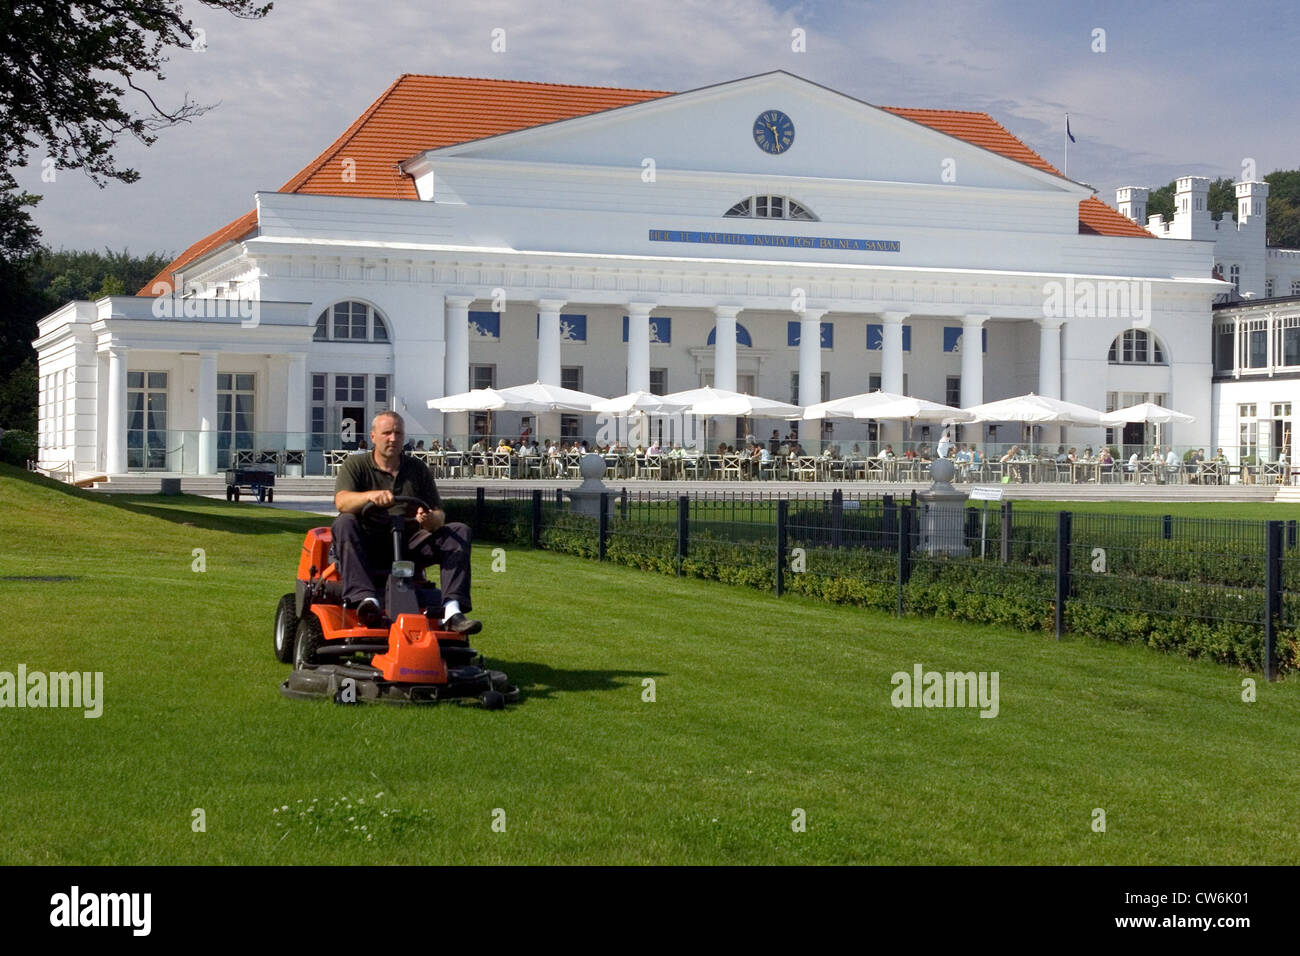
(1194,87)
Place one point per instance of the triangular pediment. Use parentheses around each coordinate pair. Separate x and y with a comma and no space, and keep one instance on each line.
(712,129)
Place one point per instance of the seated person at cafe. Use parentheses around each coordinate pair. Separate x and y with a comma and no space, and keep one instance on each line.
(886,453)
(378,476)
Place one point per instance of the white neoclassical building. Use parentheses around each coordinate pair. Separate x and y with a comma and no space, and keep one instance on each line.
(767,234)
(1256,323)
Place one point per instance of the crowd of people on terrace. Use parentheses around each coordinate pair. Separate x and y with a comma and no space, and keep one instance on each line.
(786,457)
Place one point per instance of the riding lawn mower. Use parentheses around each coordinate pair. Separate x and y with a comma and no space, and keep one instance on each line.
(405,660)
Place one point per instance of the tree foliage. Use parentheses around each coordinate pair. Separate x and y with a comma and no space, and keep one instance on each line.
(76,77)
(66,69)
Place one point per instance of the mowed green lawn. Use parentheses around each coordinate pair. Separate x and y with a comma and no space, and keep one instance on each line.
(762,707)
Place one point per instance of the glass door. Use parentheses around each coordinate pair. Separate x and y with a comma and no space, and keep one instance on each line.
(146,420)
(234,416)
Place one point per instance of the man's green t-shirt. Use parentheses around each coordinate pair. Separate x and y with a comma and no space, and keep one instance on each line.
(360,473)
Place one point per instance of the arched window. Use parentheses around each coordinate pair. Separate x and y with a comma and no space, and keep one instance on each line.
(350,322)
(770,207)
(1136,347)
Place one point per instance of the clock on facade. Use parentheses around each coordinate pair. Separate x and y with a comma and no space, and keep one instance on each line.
(773,131)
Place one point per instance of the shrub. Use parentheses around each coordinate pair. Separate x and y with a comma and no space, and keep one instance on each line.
(17,447)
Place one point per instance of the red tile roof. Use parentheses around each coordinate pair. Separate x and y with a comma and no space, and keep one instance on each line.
(426,112)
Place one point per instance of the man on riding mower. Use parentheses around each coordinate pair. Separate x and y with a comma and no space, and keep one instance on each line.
(379,476)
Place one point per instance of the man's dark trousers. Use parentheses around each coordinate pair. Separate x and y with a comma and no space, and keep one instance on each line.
(359,547)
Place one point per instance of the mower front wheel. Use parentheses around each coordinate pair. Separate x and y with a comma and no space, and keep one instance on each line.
(309,638)
(286,629)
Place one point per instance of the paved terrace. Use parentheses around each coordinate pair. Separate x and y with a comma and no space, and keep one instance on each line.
(315,494)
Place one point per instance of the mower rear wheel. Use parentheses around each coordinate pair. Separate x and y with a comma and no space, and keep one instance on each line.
(492,700)
(309,638)
(286,629)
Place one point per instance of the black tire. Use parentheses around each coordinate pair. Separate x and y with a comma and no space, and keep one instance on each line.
(230,493)
(286,629)
(309,637)
(236,494)
(270,495)
(492,700)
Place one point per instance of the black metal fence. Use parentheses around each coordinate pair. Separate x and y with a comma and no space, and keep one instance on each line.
(1224,589)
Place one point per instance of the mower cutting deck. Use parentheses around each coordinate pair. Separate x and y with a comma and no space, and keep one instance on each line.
(406,660)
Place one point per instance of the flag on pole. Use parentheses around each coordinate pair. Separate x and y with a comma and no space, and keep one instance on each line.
(1067,129)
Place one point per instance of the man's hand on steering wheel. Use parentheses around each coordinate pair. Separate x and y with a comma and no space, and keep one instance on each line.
(380,498)
(430,520)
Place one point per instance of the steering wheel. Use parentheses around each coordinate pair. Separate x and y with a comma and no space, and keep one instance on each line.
(373,512)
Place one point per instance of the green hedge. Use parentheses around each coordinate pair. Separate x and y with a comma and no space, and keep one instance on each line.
(1166,595)
(17,447)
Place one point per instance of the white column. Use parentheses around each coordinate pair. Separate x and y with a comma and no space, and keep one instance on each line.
(1236,346)
(115,426)
(638,346)
(295,402)
(548,340)
(972,360)
(724,347)
(891,358)
(810,357)
(208,413)
(1049,357)
(456,333)
(1271,359)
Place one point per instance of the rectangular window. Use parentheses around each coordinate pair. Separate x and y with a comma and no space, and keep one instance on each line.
(659,381)
(381,389)
(571,377)
(1257,340)
(953,391)
(1223,343)
(482,376)
(812,399)
(1286,350)
(318,385)
(1295,286)
(350,388)
(570,427)
(873,382)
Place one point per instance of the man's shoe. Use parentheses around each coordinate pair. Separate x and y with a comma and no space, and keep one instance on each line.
(458,623)
(370,614)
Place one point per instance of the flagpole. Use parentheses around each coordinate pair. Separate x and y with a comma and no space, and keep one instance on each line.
(1067,145)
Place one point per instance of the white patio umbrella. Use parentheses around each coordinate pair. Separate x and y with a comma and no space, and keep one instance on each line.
(846,407)
(707,401)
(892,407)
(1148,412)
(1034,409)
(540,397)
(634,403)
(722,402)
(477,400)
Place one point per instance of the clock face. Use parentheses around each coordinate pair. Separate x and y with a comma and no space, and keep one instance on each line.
(773,131)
